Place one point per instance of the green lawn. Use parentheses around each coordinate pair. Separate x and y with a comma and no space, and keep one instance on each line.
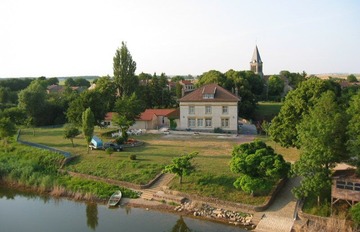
(213,177)
(267,110)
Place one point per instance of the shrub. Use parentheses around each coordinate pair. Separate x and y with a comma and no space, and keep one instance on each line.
(109,150)
(355,213)
(132,157)
(218,130)
(120,140)
(254,186)
(173,124)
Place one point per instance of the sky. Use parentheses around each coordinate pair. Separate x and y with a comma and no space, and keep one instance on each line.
(178,37)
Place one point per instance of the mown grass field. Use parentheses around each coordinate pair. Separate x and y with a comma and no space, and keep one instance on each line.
(267,110)
(212,178)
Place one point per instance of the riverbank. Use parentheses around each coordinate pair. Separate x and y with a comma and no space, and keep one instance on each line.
(194,210)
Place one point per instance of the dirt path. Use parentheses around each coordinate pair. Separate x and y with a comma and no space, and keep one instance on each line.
(279,216)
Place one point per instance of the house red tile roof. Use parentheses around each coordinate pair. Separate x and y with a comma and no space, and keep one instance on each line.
(148,114)
(174,114)
(220,94)
(186,82)
(109,116)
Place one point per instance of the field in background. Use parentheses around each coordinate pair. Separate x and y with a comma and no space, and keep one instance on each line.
(267,110)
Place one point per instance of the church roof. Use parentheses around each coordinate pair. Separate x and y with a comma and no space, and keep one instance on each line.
(256,56)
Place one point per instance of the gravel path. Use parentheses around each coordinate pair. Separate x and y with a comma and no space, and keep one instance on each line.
(279,216)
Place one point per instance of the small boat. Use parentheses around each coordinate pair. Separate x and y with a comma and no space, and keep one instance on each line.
(115,199)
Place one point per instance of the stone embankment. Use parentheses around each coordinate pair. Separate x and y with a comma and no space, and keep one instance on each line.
(219,214)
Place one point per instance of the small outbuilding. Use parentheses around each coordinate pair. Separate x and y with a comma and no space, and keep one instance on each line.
(345,186)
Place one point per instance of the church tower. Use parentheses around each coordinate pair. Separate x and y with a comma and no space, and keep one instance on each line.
(256,63)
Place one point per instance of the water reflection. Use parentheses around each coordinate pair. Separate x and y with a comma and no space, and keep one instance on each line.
(43,213)
(127,210)
(180,226)
(92,215)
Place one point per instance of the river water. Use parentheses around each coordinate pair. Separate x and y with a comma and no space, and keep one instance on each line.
(21,211)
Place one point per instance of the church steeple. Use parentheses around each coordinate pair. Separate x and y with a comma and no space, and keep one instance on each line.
(256,63)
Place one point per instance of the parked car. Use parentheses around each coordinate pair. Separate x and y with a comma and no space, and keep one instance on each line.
(114,146)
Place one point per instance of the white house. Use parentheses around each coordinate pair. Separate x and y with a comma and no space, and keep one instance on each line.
(209,107)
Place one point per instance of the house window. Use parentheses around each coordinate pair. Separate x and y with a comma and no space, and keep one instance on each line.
(348,185)
(191,109)
(207,109)
(200,122)
(208,96)
(191,122)
(225,110)
(340,184)
(208,122)
(225,122)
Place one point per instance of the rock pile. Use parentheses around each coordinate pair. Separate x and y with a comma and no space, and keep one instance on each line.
(236,218)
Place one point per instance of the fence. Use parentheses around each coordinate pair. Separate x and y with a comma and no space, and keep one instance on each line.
(64,153)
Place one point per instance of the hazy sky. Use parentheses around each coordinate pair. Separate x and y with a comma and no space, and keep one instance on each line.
(79,37)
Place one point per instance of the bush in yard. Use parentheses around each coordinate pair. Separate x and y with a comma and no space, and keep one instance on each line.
(218,130)
(120,140)
(173,124)
(132,157)
(109,150)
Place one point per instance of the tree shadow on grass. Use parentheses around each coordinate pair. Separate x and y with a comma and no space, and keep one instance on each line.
(74,161)
(221,180)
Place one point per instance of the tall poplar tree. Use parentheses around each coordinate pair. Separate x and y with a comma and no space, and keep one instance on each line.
(88,122)
(124,71)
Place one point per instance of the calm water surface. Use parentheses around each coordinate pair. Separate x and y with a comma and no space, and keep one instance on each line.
(27,212)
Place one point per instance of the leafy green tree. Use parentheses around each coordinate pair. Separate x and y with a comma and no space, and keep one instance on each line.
(294,78)
(81,82)
(7,129)
(247,85)
(127,109)
(33,101)
(70,132)
(70,82)
(275,85)
(259,167)
(52,81)
(322,138)
(105,86)
(4,95)
(17,116)
(181,166)
(283,128)
(88,122)
(322,133)
(351,78)
(212,76)
(124,71)
(97,101)
(265,125)
(353,128)
(177,78)
(178,90)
